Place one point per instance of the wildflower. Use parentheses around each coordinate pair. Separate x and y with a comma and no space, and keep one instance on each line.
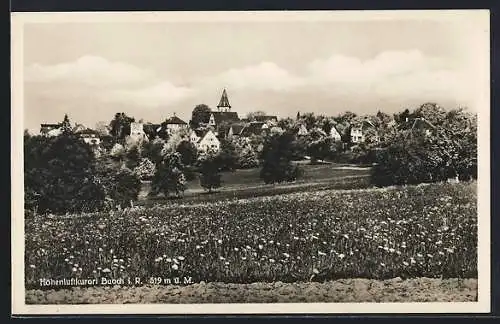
(341,256)
(219,241)
(198,247)
(74,269)
(406,263)
(236,249)
(315,271)
(222,258)
(66,260)
(382,264)
(261,246)
(180,258)
(321,253)
(243,258)
(32,266)
(392,250)
(168,259)
(286,255)
(271,260)
(175,266)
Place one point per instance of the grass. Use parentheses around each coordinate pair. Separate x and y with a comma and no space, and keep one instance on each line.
(415,231)
(247,183)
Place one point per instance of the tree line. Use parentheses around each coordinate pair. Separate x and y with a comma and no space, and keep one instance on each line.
(63,174)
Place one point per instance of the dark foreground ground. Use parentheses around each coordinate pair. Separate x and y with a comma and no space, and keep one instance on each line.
(347,290)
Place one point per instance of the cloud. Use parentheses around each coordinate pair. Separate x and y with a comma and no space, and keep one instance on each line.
(157,95)
(263,76)
(89,70)
(390,75)
(96,78)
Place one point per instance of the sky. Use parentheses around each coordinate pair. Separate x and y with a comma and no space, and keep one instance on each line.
(151,70)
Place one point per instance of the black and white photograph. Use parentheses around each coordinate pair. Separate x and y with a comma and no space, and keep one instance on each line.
(251,162)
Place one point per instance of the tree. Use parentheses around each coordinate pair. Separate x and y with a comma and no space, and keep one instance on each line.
(449,151)
(251,115)
(102,128)
(66,125)
(175,138)
(286,123)
(133,157)
(59,175)
(118,152)
(121,185)
(120,126)
(200,114)
(153,150)
(145,170)
(169,177)
(277,155)
(318,144)
(432,112)
(227,156)
(188,152)
(210,167)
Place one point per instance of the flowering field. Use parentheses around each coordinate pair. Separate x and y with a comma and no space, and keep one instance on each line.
(417,231)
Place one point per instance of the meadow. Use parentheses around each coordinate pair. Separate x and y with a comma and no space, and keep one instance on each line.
(319,235)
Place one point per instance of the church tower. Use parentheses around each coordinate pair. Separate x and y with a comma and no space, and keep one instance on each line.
(224,105)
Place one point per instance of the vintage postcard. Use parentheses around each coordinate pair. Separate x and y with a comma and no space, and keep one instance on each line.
(251,162)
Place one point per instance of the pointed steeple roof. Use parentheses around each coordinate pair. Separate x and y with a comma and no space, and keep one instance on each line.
(224,101)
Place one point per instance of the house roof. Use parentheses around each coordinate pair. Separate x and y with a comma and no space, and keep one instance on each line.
(265,118)
(422,123)
(254,128)
(151,130)
(237,128)
(201,133)
(87,131)
(175,120)
(225,116)
(334,129)
(50,125)
(224,101)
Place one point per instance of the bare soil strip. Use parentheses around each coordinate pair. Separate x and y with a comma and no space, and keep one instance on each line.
(347,290)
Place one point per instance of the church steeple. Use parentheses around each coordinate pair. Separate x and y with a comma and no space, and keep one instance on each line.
(224,102)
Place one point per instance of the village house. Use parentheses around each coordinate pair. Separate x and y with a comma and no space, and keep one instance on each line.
(422,126)
(302,131)
(234,130)
(89,136)
(205,140)
(359,131)
(51,129)
(174,124)
(254,128)
(335,135)
(137,132)
(152,131)
(269,120)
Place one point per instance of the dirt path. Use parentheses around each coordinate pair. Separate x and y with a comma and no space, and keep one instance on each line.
(348,290)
